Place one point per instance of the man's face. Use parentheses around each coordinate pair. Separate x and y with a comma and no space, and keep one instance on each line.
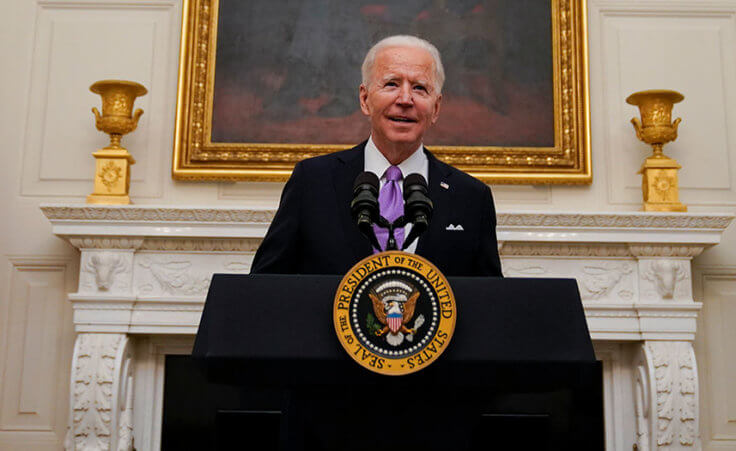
(402,100)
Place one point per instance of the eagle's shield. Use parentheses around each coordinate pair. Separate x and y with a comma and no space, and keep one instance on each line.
(395,319)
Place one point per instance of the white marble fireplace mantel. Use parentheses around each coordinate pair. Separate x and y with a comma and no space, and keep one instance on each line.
(145,270)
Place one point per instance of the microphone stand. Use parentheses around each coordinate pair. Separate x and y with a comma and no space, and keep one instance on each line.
(366,227)
(365,207)
(391,226)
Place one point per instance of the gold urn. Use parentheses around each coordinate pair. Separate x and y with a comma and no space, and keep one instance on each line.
(656,128)
(112,163)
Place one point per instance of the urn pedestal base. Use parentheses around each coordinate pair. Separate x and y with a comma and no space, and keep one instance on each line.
(659,184)
(108,200)
(112,177)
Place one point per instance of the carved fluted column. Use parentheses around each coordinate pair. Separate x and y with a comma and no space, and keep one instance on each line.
(101,391)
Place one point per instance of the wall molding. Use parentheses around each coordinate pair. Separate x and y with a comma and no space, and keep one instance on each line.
(712,346)
(33,341)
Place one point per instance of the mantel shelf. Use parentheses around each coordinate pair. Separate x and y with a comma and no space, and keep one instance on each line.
(75,220)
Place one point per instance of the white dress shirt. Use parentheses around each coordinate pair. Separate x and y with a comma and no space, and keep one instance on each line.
(417,163)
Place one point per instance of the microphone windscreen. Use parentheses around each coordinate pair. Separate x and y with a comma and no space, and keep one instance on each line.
(366,178)
(413,180)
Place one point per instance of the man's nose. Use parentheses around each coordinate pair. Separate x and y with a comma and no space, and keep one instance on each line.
(405,96)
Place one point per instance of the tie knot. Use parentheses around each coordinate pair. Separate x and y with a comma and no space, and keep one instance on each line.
(393,174)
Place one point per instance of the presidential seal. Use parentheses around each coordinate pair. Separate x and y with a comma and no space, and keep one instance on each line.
(394,313)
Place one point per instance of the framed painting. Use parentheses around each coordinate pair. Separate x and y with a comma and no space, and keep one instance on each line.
(264,84)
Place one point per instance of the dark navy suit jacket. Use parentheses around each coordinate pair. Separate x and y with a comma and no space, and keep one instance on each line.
(313,233)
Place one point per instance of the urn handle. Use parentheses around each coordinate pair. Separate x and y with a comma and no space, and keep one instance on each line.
(675,124)
(98,116)
(637,127)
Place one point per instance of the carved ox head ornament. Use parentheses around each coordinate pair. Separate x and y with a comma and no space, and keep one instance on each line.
(665,274)
(104,267)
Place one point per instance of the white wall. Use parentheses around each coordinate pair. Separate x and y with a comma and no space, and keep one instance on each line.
(53,50)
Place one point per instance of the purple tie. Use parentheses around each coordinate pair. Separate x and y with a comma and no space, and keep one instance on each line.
(392,206)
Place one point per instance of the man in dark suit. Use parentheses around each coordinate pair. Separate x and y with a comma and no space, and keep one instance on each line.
(313,232)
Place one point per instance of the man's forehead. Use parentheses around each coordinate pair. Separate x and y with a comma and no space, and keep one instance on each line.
(405,54)
(392,64)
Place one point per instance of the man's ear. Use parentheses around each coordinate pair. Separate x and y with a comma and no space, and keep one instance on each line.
(363,95)
(436,112)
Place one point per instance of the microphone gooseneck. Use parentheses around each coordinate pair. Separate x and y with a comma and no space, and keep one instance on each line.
(417,206)
(364,207)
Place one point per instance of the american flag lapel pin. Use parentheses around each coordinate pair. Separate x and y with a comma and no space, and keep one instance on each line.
(444,185)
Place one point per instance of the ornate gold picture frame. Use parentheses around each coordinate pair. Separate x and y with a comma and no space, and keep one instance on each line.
(203,97)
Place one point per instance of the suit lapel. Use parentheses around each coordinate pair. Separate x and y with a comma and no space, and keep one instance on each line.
(439,176)
(351,164)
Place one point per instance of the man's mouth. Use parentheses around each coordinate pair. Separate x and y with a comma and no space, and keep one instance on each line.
(402,119)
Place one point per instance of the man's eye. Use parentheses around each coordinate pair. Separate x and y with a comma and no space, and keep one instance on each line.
(391,83)
(420,88)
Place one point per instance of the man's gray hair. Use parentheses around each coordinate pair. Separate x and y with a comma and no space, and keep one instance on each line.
(404,41)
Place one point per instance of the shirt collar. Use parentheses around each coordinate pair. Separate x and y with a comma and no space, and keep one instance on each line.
(376,163)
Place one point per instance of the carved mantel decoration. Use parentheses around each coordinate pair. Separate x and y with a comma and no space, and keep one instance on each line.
(145,271)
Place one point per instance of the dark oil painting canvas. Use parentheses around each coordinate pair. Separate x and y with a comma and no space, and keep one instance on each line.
(288,71)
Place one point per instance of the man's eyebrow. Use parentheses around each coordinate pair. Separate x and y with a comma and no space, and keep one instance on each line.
(428,85)
(390,77)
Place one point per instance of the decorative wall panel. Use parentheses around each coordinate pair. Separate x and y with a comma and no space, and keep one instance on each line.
(647,45)
(717,287)
(39,316)
(76,44)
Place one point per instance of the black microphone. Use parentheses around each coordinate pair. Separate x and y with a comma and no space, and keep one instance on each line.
(417,206)
(364,208)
